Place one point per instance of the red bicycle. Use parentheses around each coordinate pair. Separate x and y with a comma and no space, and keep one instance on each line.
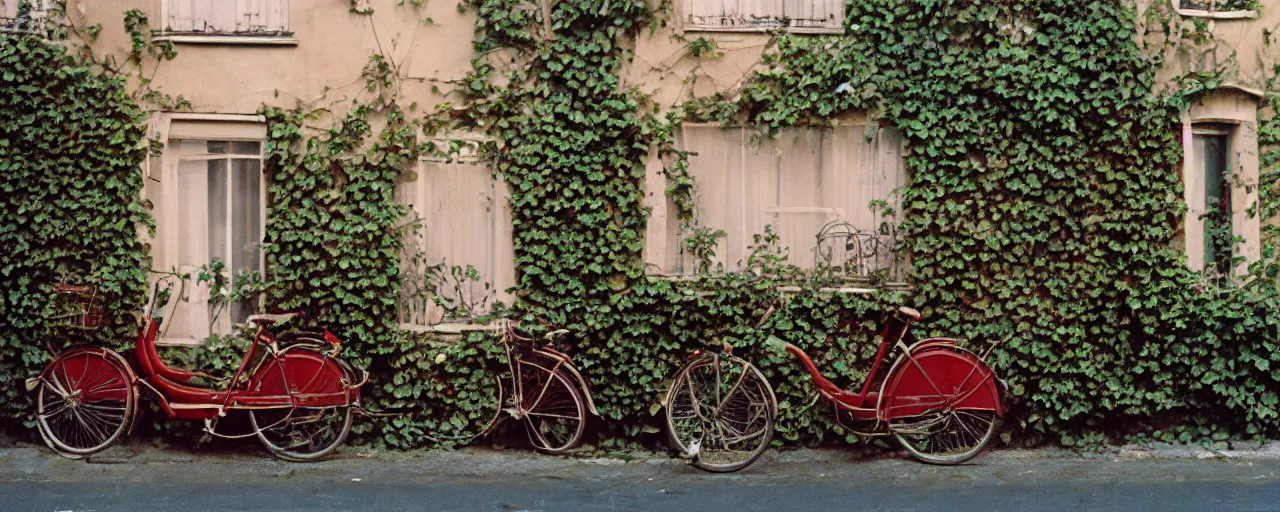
(941,401)
(298,394)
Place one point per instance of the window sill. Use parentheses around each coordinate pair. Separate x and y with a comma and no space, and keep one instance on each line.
(450,328)
(1218,15)
(229,39)
(716,29)
(179,342)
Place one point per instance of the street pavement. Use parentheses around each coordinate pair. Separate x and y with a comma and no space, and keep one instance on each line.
(142,478)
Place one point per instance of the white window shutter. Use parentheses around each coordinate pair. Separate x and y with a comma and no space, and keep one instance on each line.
(797,183)
(462,212)
(227,16)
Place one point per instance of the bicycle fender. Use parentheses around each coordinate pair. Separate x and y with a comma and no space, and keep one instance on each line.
(965,380)
(573,371)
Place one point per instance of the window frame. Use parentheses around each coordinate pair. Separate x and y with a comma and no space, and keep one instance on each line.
(686,7)
(1235,109)
(205,128)
(284,37)
(1239,14)
(14,25)
(499,231)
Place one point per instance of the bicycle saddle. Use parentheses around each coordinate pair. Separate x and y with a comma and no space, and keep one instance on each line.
(270,318)
(909,313)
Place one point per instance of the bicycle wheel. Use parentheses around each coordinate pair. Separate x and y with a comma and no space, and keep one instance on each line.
(720,413)
(554,413)
(84,402)
(947,437)
(321,413)
(304,433)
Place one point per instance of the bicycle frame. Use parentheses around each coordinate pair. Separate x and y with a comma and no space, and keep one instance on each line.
(559,360)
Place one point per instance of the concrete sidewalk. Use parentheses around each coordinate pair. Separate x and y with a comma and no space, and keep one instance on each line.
(142,478)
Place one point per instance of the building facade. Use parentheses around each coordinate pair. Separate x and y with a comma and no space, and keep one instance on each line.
(236,56)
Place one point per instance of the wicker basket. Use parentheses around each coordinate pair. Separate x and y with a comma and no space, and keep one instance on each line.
(77,307)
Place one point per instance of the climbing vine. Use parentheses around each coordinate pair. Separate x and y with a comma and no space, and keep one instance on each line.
(70,207)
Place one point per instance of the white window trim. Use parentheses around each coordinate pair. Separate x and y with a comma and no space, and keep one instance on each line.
(683,9)
(162,122)
(1216,15)
(266,38)
(224,38)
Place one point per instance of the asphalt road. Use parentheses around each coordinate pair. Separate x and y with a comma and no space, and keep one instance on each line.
(34,479)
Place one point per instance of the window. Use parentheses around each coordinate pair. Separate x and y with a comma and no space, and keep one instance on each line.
(805,182)
(209,204)
(1220,9)
(802,16)
(263,21)
(1210,150)
(20,15)
(462,223)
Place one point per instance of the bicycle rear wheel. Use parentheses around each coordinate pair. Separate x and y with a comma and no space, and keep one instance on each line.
(947,437)
(554,412)
(302,434)
(320,416)
(720,412)
(84,402)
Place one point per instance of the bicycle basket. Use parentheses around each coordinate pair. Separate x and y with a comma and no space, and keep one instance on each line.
(77,307)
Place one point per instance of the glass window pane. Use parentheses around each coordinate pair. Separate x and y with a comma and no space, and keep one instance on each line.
(218,147)
(246,148)
(1217,199)
(217,186)
(246,225)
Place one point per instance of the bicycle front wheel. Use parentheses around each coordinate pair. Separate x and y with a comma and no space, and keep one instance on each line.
(554,413)
(720,413)
(84,402)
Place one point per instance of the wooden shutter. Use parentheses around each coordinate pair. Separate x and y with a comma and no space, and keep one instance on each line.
(796,183)
(263,16)
(9,8)
(227,16)
(182,235)
(461,208)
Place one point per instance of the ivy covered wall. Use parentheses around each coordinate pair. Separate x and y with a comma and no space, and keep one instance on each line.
(71,141)
(1043,212)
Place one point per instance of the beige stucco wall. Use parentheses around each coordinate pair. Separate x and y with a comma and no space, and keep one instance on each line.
(1240,47)
(333,45)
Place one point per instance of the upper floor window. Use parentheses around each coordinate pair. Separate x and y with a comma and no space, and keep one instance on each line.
(259,20)
(1221,9)
(802,16)
(18,15)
